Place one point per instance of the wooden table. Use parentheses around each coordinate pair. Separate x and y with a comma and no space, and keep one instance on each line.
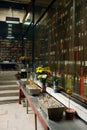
(33,104)
(48,124)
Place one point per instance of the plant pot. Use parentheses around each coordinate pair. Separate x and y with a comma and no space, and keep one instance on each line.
(69,113)
(56,89)
(51,107)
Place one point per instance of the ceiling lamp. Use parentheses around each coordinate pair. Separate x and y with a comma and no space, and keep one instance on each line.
(12,20)
(10,37)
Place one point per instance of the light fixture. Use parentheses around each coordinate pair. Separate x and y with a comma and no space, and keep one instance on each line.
(10,37)
(12,20)
(27,23)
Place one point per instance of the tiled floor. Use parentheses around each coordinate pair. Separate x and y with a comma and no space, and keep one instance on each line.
(13,117)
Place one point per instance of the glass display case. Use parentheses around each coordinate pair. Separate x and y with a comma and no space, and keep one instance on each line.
(61,43)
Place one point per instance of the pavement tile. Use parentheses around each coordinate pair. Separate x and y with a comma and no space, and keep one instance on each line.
(13,117)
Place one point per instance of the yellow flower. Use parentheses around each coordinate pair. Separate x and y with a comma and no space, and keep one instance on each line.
(47,69)
(39,70)
(24,58)
(43,69)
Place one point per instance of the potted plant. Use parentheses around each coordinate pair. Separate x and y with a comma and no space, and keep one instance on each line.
(42,74)
(39,70)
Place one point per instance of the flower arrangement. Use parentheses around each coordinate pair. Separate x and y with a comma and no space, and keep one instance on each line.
(43,78)
(43,71)
(24,59)
(42,74)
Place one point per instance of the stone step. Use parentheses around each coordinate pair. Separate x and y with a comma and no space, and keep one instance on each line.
(8,75)
(8,93)
(8,78)
(12,82)
(8,87)
(6,100)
